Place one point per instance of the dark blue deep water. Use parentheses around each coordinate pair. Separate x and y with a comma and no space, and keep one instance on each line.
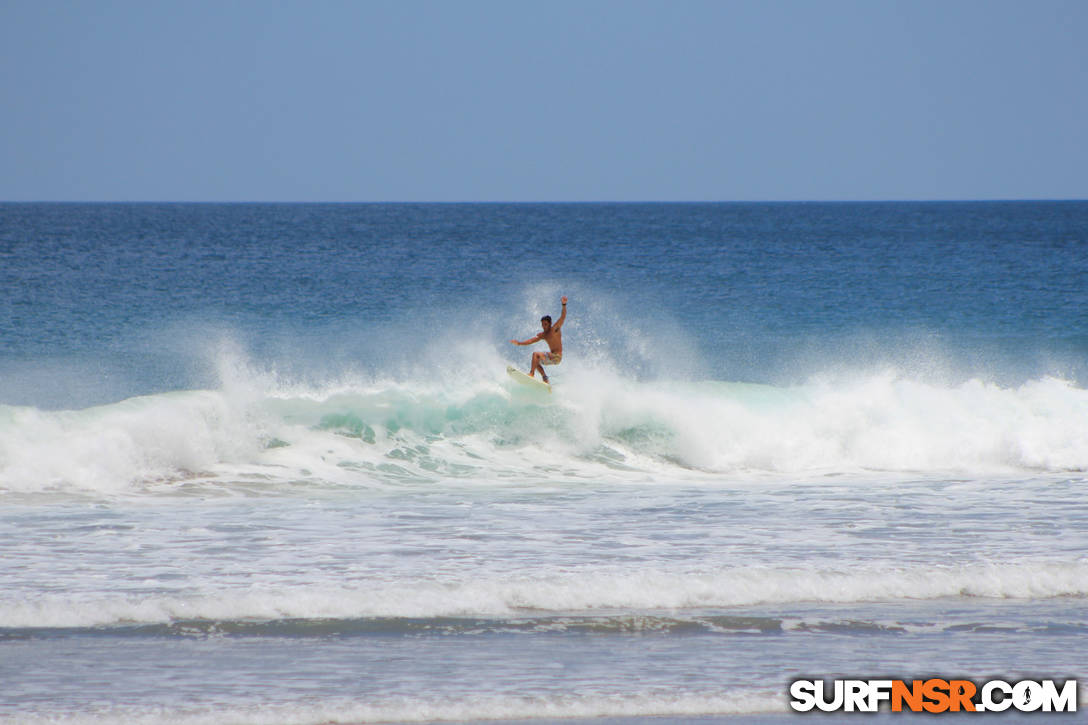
(759,292)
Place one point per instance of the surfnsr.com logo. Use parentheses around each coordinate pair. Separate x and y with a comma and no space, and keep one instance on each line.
(933,695)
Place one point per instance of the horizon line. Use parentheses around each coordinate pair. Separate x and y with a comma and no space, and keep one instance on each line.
(964,200)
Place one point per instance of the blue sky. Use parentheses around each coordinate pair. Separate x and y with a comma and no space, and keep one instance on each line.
(546,101)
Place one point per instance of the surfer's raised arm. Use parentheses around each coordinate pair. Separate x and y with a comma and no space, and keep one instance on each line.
(562,315)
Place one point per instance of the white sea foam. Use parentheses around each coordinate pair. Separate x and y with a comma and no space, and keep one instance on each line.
(405,709)
(588,591)
(111,447)
(596,424)
(880,422)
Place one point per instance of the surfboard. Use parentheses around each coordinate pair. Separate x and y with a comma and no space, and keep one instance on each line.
(527,379)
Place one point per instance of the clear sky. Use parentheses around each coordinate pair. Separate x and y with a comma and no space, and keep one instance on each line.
(590,100)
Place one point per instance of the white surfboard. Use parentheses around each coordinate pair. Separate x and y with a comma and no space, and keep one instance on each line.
(527,379)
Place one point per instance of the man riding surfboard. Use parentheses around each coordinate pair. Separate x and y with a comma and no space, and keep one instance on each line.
(551,334)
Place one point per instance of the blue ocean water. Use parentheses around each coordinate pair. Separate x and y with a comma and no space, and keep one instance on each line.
(262,462)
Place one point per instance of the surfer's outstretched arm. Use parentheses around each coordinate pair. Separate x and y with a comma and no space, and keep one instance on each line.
(530,341)
(562,316)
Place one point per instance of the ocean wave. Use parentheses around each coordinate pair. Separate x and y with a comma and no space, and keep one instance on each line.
(579,592)
(596,425)
(647,623)
(466,709)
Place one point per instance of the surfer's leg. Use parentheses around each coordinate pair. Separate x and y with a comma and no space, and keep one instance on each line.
(536,364)
(545,358)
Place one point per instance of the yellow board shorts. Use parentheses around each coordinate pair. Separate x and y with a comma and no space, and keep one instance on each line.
(552,358)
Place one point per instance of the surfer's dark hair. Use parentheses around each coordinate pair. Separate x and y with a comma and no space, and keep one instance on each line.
(548,318)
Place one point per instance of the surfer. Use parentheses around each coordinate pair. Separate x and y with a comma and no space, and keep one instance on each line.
(551,334)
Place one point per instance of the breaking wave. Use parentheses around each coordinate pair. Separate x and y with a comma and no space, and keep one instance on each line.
(534,593)
(595,425)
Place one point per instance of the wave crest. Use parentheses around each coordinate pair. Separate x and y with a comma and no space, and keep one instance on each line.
(573,593)
(597,425)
